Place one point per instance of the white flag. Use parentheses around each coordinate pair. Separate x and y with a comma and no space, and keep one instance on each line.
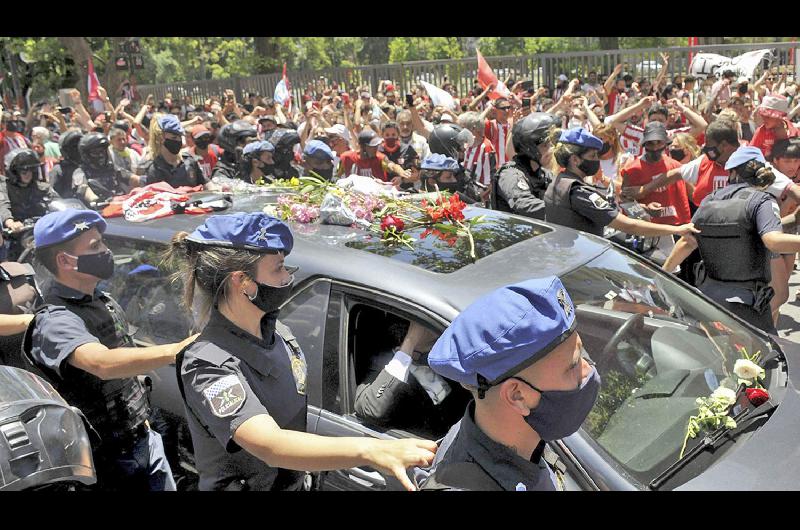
(439,97)
(745,65)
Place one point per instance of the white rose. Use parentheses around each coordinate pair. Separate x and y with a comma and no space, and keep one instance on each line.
(725,395)
(745,369)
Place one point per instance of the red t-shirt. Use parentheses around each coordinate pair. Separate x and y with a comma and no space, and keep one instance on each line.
(207,161)
(765,138)
(673,198)
(366,167)
(706,176)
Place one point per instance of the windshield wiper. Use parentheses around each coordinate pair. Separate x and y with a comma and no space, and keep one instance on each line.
(712,440)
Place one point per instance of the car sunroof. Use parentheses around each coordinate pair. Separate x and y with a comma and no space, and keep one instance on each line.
(444,254)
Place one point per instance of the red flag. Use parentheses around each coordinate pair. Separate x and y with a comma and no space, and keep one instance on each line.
(693,41)
(486,77)
(93,82)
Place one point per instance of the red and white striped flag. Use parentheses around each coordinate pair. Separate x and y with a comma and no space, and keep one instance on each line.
(93,82)
(283,91)
(487,77)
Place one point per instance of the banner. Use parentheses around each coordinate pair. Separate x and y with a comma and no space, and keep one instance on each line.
(486,77)
(745,65)
(439,97)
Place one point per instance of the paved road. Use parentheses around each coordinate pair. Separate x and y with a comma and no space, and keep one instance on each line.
(789,321)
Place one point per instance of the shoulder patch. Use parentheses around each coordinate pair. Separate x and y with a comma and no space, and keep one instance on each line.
(523,185)
(598,201)
(225,396)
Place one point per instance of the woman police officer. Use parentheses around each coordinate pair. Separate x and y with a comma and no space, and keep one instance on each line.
(570,201)
(739,226)
(243,380)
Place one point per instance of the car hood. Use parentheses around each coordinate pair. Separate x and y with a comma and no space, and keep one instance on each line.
(770,459)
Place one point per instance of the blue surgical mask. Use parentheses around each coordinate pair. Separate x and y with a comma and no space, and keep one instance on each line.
(561,412)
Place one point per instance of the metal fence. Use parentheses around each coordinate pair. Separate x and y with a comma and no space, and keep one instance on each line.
(543,69)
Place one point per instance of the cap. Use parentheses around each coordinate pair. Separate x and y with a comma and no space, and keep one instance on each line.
(370,138)
(447,118)
(580,136)
(774,107)
(258,147)
(170,124)
(654,131)
(57,227)
(562,77)
(268,117)
(504,332)
(745,154)
(339,130)
(199,130)
(439,162)
(247,231)
(318,149)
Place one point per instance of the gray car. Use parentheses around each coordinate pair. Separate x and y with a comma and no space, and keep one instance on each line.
(658,343)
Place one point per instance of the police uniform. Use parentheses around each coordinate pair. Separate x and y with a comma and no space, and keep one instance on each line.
(569,201)
(520,190)
(489,342)
(228,376)
(731,221)
(24,202)
(131,455)
(186,173)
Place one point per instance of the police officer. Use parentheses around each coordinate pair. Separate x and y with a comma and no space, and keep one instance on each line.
(739,226)
(171,166)
(441,173)
(318,157)
(82,344)
(96,164)
(61,174)
(452,141)
(571,202)
(256,163)
(517,351)
(284,141)
(520,183)
(244,380)
(23,194)
(232,138)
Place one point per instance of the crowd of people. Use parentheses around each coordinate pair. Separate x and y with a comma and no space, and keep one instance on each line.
(711,162)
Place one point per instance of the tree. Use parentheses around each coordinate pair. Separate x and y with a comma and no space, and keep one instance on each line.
(609,43)
(375,50)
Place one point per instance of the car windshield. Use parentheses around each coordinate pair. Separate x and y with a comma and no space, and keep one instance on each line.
(658,346)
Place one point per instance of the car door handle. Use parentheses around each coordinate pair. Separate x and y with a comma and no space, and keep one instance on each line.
(369,479)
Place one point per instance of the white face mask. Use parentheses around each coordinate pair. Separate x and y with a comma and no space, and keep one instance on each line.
(574,122)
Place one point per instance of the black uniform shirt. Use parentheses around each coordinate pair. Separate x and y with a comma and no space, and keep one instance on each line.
(590,202)
(466,442)
(229,376)
(186,173)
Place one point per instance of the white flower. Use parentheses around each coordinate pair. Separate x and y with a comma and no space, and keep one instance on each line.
(747,369)
(724,395)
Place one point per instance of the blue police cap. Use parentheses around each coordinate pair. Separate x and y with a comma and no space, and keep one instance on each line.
(170,124)
(504,332)
(57,227)
(249,231)
(258,147)
(318,149)
(582,137)
(745,154)
(141,269)
(439,162)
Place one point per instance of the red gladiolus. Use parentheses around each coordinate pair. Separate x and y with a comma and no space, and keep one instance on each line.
(392,221)
(757,396)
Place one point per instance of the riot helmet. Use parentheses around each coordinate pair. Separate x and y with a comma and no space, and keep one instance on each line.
(45,442)
(69,146)
(93,148)
(232,135)
(530,132)
(284,141)
(19,161)
(450,140)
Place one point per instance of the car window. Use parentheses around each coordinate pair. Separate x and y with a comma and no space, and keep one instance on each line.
(305,315)
(658,346)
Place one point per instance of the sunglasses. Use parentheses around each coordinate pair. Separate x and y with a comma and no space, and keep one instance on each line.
(504,109)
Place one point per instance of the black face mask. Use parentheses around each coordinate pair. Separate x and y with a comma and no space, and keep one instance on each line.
(100,265)
(326,173)
(452,187)
(589,167)
(677,154)
(653,155)
(173,146)
(202,144)
(269,298)
(711,152)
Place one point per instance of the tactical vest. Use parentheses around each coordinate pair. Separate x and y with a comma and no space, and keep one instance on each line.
(538,186)
(62,179)
(558,209)
(731,249)
(28,201)
(115,407)
(224,169)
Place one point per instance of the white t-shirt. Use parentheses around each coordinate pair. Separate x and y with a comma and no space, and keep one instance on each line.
(691,170)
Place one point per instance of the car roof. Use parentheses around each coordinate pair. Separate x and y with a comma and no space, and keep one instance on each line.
(322,250)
